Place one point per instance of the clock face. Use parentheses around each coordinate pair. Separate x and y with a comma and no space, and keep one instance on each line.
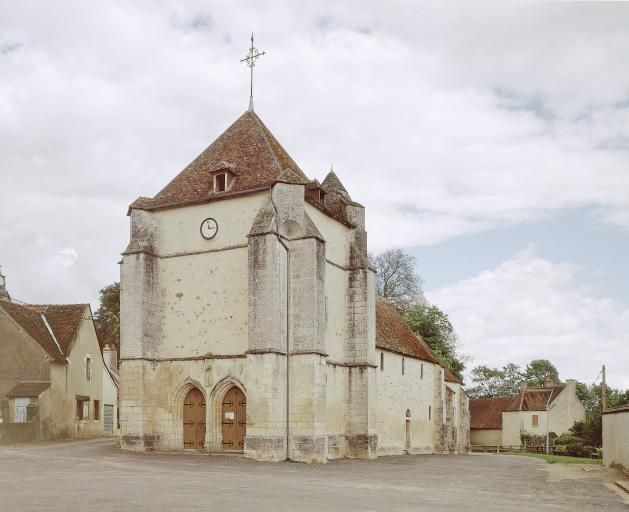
(209,228)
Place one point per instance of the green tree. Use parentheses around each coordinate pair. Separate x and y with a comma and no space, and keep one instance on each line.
(493,382)
(590,431)
(538,370)
(107,316)
(434,326)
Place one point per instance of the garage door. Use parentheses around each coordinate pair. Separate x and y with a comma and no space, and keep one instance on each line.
(108,419)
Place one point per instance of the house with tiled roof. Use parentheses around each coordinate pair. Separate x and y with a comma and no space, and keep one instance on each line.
(534,411)
(53,380)
(249,320)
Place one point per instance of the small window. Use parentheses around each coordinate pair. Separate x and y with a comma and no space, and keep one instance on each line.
(82,409)
(220,182)
(421,371)
(402,366)
(321,195)
(381,361)
(535,420)
(429,413)
(19,409)
(88,368)
(97,409)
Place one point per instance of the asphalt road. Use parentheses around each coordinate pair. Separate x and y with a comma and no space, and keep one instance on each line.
(94,475)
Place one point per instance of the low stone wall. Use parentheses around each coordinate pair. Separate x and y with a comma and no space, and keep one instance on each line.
(19,432)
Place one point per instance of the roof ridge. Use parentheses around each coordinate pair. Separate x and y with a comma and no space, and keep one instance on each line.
(271,143)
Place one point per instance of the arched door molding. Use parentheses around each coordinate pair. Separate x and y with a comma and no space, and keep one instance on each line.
(179,396)
(214,433)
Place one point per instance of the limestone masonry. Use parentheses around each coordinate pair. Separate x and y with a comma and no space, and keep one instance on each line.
(249,282)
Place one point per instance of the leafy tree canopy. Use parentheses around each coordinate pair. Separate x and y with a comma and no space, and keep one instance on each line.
(493,382)
(435,328)
(538,370)
(107,316)
(398,283)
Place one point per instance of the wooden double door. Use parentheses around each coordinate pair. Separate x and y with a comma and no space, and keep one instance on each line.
(234,419)
(194,420)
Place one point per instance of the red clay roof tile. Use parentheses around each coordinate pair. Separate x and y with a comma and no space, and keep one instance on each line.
(486,413)
(64,320)
(394,335)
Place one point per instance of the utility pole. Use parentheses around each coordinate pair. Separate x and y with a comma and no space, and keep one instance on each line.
(604,391)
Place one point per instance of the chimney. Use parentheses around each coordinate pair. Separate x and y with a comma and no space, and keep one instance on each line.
(523,385)
(549,383)
(110,355)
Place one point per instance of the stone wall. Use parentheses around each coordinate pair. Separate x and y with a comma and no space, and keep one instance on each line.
(398,392)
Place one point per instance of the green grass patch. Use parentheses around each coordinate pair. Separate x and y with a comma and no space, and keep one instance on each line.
(556,458)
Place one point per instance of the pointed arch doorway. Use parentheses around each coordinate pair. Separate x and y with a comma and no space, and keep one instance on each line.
(234,419)
(194,420)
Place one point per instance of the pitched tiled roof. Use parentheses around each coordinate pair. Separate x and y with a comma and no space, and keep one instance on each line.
(447,374)
(535,399)
(486,413)
(394,335)
(250,152)
(619,408)
(63,319)
(450,377)
(28,389)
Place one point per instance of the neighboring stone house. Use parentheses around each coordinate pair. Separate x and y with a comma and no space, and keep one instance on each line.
(502,421)
(249,320)
(53,381)
(616,437)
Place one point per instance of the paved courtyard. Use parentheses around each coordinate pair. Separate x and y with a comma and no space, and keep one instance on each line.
(95,475)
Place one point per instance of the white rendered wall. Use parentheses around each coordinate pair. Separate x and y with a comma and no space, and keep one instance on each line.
(396,394)
(616,439)
(482,437)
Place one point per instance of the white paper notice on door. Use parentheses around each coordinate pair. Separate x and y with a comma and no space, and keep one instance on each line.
(230,415)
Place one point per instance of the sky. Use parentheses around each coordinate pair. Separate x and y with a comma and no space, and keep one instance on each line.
(491,141)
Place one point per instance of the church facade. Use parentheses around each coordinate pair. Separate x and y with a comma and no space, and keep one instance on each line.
(249,320)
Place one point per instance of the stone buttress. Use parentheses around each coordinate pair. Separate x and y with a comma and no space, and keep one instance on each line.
(139,332)
(360,348)
(286,360)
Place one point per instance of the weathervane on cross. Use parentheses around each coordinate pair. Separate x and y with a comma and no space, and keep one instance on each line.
(253,55)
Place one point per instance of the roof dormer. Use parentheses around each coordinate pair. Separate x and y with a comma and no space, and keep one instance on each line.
(223,177)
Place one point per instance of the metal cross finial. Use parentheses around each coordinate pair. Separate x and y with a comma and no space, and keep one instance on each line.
(253,55)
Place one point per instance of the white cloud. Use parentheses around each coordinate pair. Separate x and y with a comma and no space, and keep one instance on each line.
(443,121)
(530,308)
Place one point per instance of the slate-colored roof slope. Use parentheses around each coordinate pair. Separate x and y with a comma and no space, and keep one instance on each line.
(28,389)
(250,150)
(394,335)
(535,399)
(486,413)
(64,320)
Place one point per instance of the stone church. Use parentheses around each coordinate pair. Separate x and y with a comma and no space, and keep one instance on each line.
(250,323)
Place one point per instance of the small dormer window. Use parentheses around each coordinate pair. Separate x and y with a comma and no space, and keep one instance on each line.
(222,181)
(321,195)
